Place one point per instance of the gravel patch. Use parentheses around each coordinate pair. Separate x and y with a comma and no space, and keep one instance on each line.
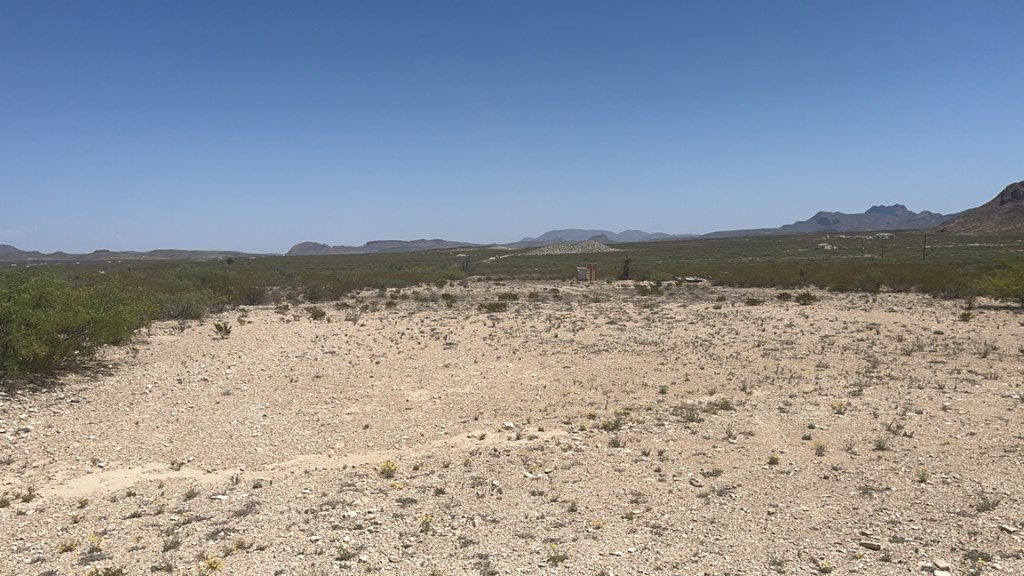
(586,429)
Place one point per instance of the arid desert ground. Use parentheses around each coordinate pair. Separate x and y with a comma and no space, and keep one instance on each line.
(586,429)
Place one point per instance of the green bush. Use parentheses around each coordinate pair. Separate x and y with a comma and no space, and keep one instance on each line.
(183,306)
(48,323)
(493,307)
(1007,284)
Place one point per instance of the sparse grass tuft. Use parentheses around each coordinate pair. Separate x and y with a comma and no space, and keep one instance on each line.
(95,544)
(689,413)
(172,543)
(107,571)
(162,566)
(67,546)
(556,556)
(805,298)
(986,504)
(425,523)
(344,554)
(316,312)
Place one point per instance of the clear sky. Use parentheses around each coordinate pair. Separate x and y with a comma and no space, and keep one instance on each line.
(254,125)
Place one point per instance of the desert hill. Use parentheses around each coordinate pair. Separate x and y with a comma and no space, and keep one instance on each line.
(1004,214)
(875,219)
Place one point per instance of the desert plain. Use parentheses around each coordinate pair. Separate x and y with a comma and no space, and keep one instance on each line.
(587,428)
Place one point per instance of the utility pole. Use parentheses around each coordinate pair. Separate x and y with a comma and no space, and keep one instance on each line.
(924,249)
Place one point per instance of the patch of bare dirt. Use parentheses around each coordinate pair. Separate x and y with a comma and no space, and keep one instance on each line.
(584,430)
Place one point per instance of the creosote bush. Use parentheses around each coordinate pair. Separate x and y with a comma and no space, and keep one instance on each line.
(49,323)
(1007,284)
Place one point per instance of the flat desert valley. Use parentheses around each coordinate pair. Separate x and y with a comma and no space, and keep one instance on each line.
(585,429)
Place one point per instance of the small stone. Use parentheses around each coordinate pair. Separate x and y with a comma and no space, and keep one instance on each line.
(219,497)
(1008,529)
(941,564)
(510,425)
(696,483)
(870,545)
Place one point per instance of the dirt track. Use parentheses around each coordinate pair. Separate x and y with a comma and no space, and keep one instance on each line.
(581,431)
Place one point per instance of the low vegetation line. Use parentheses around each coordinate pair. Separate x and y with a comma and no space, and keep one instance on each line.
(56,316)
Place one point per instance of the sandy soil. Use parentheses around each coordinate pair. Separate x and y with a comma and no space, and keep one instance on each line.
(585,430)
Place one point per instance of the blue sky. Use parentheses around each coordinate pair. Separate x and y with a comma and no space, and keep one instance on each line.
(252,126)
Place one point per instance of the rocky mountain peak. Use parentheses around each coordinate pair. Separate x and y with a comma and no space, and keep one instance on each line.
(1012,194)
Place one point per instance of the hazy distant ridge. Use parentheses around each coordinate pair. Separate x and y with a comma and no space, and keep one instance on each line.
(374,247)
(9,253)
(606,236)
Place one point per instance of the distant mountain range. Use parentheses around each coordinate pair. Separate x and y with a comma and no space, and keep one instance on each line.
(1004,214)
(375,247)
(9,253)
(569,235)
